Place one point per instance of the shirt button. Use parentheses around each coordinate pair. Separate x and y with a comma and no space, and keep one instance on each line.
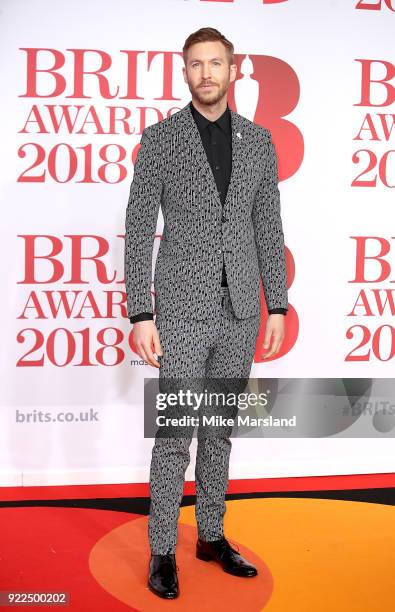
(217,167)
(219,251)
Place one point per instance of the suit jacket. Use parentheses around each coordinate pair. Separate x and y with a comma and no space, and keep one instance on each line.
(172,171)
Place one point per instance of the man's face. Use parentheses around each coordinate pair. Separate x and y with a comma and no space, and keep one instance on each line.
(207,72)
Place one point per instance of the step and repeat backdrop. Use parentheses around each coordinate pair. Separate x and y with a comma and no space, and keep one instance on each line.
(80,81)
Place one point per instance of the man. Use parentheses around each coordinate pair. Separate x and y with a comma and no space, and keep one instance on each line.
(215,175)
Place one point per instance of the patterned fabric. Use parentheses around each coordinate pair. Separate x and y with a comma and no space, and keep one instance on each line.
(172,170)
(205,351)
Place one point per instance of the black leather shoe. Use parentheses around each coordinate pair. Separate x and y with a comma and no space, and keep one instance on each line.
(162,578)
(230,559)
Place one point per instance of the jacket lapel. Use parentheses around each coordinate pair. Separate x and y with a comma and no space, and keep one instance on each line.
(194,142)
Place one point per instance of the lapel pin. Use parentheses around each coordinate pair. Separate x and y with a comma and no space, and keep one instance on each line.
(238,135)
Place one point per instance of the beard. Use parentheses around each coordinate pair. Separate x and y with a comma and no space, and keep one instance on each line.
(209,97)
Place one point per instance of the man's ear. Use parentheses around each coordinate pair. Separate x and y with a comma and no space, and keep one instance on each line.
(233,72)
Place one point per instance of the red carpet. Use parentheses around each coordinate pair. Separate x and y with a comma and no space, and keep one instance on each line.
(312,554)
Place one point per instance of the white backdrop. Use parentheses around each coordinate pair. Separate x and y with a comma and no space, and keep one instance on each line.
(325,76)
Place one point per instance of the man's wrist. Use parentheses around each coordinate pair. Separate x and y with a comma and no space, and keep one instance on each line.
(282,311)
(142,316)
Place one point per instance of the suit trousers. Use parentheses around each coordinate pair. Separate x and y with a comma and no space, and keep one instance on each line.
(212,349)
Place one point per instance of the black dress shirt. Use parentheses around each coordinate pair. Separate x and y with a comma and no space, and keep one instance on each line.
(217,141)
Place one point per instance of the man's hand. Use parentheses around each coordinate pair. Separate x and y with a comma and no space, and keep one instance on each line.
(146,340)
(274,331)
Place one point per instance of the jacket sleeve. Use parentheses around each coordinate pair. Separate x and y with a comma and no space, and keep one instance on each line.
(269,236)
(140,225)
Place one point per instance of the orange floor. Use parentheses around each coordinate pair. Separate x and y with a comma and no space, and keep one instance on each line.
(312,554)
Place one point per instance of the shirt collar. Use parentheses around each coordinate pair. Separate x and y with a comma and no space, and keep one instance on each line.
(224,121)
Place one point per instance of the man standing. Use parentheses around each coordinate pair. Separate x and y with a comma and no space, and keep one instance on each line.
(215,175)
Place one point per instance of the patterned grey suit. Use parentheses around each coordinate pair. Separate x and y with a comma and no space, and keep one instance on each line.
(206,331)
(172,170)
